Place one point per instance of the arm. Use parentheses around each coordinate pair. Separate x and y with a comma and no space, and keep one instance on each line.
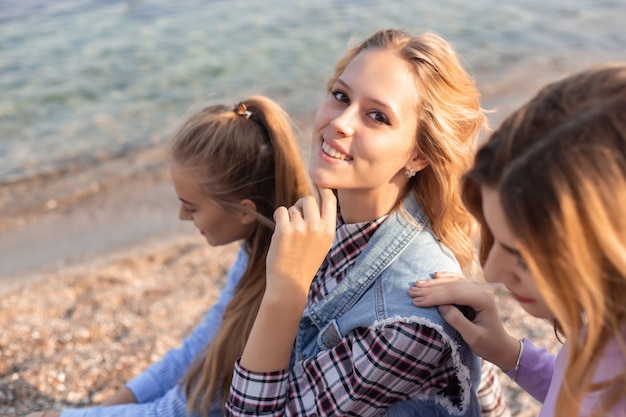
(123,396)
(534,372)
(172,404)
(161,376)
(369,370)
(300,242)
(486,334)
(156,388)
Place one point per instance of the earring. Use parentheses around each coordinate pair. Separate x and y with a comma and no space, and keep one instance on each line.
(410,173)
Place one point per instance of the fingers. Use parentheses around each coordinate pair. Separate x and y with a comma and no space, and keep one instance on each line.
(430,293)
(457,319)
(486,335)
(304,234)
(451,288)
(326,206)
(294,213)
(329,205)
(443,278)
(281,215)
(449,275)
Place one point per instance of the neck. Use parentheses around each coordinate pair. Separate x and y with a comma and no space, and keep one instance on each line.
(357,206)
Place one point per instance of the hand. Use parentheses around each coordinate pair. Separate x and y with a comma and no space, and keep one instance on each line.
(123,396)
(303,236)
(45,413)
(485,335)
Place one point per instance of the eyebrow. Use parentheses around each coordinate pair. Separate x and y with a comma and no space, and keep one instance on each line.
(375,101)
(509,249)
(186,202)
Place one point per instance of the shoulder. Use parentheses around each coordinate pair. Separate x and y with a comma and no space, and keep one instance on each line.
(238,268)
(242,257)
(611,363)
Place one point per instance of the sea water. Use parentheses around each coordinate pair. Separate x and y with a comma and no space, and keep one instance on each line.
(87,80)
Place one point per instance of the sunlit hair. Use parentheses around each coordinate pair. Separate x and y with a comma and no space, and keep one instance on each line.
(449,123)
(235,157)
(560,165)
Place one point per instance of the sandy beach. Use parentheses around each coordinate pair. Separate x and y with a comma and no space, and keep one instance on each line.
(101,280)
(98,277)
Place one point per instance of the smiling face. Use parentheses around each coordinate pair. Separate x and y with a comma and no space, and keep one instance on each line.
(505,264)
(364,133)
(216,225)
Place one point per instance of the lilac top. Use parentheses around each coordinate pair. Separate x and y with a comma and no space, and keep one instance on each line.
(157,389)
(541,374)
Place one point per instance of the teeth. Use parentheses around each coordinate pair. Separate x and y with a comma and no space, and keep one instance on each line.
(333,153)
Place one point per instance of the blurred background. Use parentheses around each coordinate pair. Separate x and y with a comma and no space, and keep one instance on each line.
(91,90)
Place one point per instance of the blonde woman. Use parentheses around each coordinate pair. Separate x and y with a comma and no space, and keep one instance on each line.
(392,138)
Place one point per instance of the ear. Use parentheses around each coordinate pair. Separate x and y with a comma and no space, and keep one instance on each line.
(418,163)
(247,217)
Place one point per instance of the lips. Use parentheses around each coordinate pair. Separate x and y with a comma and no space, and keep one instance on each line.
(334,153)
(521,299)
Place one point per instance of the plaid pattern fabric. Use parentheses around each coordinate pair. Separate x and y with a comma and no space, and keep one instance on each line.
(490,394)
(350,239)
(366,372)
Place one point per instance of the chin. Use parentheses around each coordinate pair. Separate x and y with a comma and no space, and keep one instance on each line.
(321,179)
(540,313)
(326,184)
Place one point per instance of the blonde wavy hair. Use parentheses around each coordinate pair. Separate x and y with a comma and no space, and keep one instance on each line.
(450,121)
(236,155)
(559,163)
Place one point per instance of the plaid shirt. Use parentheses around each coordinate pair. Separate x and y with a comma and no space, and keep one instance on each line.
(366,372)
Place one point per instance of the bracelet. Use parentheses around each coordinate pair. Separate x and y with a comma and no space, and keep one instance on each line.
(519,357)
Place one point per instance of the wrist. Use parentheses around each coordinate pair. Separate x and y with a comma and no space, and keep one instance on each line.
(514,351)
(282,289)
(283,305)
(273,334)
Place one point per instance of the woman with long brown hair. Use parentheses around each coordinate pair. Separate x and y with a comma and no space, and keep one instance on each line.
(549,189)
(231,167)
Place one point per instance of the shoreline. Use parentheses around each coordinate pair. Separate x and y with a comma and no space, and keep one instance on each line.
(119,202)
(52,223)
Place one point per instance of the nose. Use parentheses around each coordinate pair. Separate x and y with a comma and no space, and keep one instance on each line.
(183,214)
(499,267)
(344,123)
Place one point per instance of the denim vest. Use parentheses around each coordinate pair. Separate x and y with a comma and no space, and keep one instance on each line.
(374,293)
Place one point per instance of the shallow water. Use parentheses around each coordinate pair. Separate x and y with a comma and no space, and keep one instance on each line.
(87,80)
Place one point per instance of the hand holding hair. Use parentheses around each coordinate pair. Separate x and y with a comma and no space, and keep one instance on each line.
(303,236)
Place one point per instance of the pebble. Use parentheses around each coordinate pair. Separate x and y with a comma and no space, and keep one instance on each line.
(72,337)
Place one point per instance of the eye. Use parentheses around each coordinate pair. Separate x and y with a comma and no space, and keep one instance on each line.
(188,209)
(379,117)
(521,262)
(340,96)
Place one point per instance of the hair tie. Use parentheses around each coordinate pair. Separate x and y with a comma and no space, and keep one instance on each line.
(242,110)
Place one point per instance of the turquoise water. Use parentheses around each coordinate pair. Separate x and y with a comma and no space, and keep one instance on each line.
(87,80)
